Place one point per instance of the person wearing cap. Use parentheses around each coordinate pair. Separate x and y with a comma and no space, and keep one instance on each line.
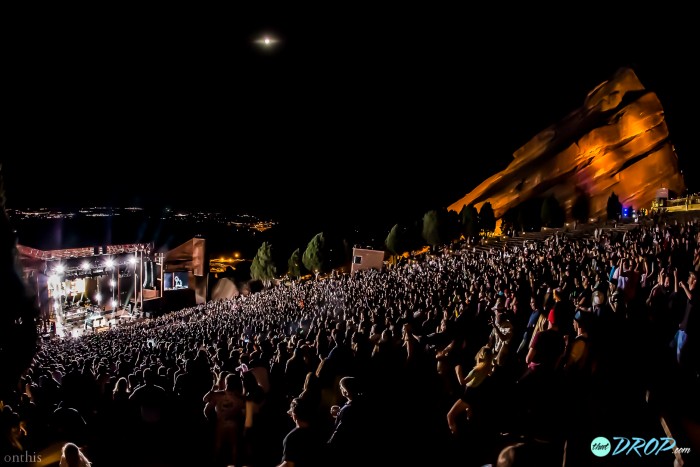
(502,333)
(578,352)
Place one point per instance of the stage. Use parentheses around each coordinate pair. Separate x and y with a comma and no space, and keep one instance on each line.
(86,320)
(90,289)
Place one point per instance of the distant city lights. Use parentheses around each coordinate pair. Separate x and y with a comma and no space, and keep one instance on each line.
(239,221)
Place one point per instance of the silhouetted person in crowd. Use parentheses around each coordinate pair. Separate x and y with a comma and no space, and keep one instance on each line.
(151,403)
(303,446)
(350,427)
(687,345)
(72,456)
(227,408)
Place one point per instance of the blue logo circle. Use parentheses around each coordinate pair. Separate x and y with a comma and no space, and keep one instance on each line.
(600,446)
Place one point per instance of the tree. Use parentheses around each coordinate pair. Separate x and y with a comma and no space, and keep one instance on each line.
(431,228)
(314,255)
(509,219)
(450,226)
(469,218)
(440,227)
(294,264)
(336,250)
(522,219)
(581,209)
(263,268)
(402,238)
(552,214)
(614,207)
(413,236)
(393,240)
(487,219)
(529,215)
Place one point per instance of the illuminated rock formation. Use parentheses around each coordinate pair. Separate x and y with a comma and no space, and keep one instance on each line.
(617,141)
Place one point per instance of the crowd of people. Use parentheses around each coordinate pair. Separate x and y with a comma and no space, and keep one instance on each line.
(459,357)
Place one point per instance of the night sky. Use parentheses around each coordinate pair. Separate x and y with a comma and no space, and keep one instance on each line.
(361,114)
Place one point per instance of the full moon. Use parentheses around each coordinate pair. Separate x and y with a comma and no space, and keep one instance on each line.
(267,41)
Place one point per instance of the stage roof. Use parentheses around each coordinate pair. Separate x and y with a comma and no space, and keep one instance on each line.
(50,255)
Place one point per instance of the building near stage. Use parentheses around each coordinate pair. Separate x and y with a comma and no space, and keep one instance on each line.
(366,258)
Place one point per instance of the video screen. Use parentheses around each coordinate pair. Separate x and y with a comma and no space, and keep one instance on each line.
(175,280)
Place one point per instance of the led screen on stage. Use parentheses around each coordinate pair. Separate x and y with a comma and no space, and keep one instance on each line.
(175,280)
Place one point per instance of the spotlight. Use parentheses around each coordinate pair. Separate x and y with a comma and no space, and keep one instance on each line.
(109,263)
(59,269)
(85,266)
(132,260)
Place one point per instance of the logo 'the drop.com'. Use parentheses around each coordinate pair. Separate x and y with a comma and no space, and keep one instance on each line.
(601,446)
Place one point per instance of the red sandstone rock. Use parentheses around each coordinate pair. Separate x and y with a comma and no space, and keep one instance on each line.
(617,141)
